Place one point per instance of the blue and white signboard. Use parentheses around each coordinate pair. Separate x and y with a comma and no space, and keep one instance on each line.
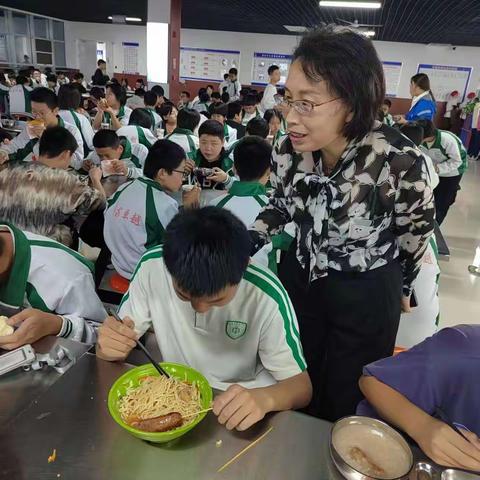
(444,79)
(392,72)
(206,63)
(263,60)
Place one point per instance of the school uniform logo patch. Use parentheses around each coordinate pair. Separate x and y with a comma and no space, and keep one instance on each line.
(235,329)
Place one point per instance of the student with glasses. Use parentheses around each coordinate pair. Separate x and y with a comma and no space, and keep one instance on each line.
(138,213)
(361,202)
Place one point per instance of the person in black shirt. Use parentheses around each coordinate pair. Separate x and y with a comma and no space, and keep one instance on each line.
(234,118)
(100,76)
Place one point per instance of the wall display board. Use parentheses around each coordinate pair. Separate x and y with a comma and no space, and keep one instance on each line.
(130,57)
(207,64)
(444,79)
(263,60)
(392,72)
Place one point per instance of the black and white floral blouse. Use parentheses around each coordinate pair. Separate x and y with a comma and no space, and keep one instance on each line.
(375,206)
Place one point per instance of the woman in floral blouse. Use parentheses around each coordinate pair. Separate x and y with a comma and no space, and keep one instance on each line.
(360,197)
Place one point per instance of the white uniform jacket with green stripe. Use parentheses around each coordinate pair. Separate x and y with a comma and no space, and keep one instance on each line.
(22,148)
(244,199)
(136,134)
(123,116)
(186,139)
(135,219)
(253,340)
(84,126)
(50,277)
(134,155)
(156,118)
(448,154)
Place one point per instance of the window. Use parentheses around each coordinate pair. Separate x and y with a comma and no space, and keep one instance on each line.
(40,27)
(20,25)
(58,32)
(59,53)
(44,58)
(3,23)
(23,52)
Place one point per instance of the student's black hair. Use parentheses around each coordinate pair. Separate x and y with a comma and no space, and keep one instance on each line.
(140,92)
(21,80)
(163,154)
(56,140)
(233,71)
(150,98)
(212,127)
(245,91)
(234,108)
(216,95)
(201,90)
(44,95)
(250,99)
(414,132)
(270,113)
(35,69)
(209,86)
(97,92)
(258,127)
(106,139)
(422,81)
(221,109)
(349,64)
(387,102)
(188,118)
(78,76)
(100,62)
(68,97)
(141,117)
(252,158)
(166,109)
(429,128)
(113,81)
(140,80)
(225,97)
(119,92)
(186,93)
(225,76)
(204,97)
(61,73)
(272,68)
(52,78)
(158,89)
(206,250)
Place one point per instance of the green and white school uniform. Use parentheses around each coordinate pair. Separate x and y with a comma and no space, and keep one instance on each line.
(156,118)
(20,99)
(253,340)
(123,116)
(135,220)
(137,134)
(225,163)
(22,148)
(84,126)
(186,139)
(201,107)
(230,135)
(244,199)
(448,154)
(133,155)
(50,277)
(388,120)
(246,117)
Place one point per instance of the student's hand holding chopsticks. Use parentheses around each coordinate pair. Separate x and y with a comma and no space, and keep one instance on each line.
(116,339)
(240,407)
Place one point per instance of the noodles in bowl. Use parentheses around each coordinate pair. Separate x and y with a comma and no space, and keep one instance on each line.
(159,396)
(158,409)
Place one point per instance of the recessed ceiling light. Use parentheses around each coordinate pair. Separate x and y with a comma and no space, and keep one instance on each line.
(368,33)
(349,4)
(128,19)
(296,28)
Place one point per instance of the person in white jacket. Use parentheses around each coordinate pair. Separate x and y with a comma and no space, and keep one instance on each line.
(234,86)
(268,100)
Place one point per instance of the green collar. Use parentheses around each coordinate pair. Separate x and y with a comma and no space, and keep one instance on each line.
(127,149)
(61,123)
(437,143)
(13,292)
(247,189)
(151,183)
(183,131)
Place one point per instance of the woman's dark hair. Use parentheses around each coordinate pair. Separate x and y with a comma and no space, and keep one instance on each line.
(422,81)
(119,92)
(414,132)
(188,118)
(206,250)
(141,117)
(270,113)
(163,154)
(68,97)
(429,129)
(349,63)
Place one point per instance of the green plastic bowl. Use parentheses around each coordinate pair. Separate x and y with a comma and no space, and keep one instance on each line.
(131,379)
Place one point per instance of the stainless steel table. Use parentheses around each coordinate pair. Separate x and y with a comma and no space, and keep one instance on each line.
(72,417)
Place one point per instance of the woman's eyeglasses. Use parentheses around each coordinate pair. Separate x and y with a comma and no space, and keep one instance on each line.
(303,107)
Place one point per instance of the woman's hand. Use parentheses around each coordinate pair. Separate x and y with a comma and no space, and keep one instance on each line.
(406,308)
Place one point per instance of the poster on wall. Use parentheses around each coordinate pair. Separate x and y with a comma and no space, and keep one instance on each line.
(263,60)
(130,57)
(207,64)
(392,72)
(444,79)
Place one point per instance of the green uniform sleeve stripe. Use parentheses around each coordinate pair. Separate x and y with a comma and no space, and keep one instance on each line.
(153,226)
(283,307)
(59,246)
(260,200)
(35,300)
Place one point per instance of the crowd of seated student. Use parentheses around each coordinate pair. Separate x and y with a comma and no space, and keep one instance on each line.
(42,192)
